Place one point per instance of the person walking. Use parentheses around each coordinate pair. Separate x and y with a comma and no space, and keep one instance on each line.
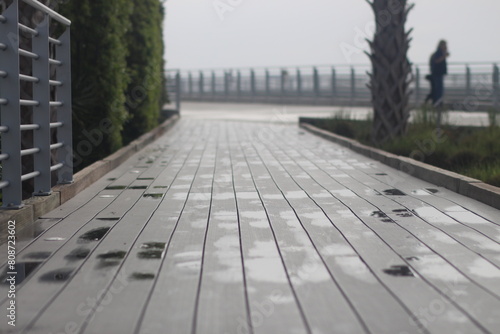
(439,69)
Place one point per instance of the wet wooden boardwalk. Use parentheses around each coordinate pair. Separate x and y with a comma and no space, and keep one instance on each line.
(232,227)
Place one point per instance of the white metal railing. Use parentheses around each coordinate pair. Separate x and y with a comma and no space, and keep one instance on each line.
(472,86)
(49,103)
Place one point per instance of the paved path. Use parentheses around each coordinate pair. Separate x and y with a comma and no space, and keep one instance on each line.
(239,227)
(291,113)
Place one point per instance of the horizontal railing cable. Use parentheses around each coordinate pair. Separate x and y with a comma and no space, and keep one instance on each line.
(28,30)
(28,78)
(53,14)
(29,103)
(29,151)
(56,125)
(31,175)
(28,54)
(27,127)
(56,167)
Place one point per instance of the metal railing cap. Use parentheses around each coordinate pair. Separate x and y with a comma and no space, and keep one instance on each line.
(56,16)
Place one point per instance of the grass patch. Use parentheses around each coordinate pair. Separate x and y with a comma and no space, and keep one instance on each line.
(470,151)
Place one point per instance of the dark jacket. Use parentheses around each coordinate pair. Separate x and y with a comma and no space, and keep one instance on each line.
(438,68)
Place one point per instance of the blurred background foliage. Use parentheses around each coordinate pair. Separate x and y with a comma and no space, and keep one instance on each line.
(117,72)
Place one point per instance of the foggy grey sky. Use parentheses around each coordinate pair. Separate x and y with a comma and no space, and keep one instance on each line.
(245,33)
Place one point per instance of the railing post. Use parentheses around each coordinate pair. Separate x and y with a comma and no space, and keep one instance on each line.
(353,85)
(41,112)
(252,82)
(238,82)
(213,84)
(299,83)
(226,83)
(334,84)
(190,83)
(11,116)
(64,112)
(178,92)
(496,88)
(283,80)
(201,83)
(468,88)
(316,81)
(417,86)
(268,83)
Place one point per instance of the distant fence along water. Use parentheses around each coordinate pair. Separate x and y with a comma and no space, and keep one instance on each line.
(470,87)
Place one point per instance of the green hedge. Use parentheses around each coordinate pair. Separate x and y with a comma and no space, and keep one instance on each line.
(117,61)
(145,65)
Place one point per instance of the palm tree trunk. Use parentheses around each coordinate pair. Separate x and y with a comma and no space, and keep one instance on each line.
(391,70)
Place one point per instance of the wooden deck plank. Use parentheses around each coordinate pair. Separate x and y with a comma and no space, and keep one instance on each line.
(50,278)
(311,280)
(172,303)
(71,263)
(468,242)
(452,283)
(273,306)
(222,305)
(353,276)
(262,229)
(357,205)
(143,262)
(56,236)
(101,266)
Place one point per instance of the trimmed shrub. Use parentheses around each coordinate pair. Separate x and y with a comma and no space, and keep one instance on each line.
(145,66)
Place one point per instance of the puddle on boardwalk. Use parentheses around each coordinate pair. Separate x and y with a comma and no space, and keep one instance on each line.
(399,270)
(432,190)
(107,196)
(381,174)
(403,213)
(153,195)
(112,255)
(112,179)
(142,276)
(37,255)
(138,187)
(115,187)
(153,245)
(151,250)
(382,215)
(160,187)
(111,258)
(94,235)
(150,254)
(109,218)
(378,214)
(23,270)
(56,276)
(394,192)
(77,254)
(145,178)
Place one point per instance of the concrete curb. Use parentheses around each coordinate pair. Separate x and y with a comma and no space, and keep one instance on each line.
(458,183)
(38,206)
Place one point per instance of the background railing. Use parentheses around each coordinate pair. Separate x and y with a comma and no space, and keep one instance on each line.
(35,101)
(469,87)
